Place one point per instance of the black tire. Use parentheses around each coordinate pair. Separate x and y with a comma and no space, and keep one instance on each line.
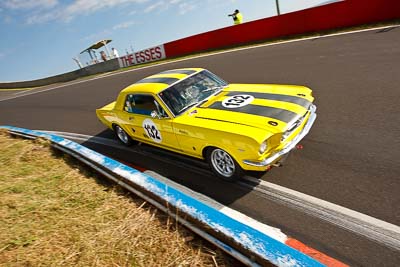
(122,136)
(223,165)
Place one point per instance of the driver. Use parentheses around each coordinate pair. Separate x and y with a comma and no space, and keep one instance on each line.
(129,103)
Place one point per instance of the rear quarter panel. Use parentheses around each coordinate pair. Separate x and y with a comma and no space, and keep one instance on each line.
(107,114)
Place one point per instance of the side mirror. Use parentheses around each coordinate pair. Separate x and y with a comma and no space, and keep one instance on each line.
(154,114)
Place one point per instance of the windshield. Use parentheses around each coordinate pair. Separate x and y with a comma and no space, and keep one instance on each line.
(191,91)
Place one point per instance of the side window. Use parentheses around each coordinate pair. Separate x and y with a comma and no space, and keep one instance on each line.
(140,104)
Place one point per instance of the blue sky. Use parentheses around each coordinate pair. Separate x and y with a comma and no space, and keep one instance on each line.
(39,38)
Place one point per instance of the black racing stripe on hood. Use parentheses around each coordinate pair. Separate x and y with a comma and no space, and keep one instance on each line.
(188,72)
(271,112)
(159,80)
(278,97)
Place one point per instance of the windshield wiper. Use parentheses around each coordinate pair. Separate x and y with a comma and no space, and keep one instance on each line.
(191,105)
(214,88)
(188,106)
(197,102)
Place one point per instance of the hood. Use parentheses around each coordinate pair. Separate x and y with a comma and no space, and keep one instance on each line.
(269,107)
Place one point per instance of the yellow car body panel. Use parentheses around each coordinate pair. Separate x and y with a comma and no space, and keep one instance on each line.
(276,114)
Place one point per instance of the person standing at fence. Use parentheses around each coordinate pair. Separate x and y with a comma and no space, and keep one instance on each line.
(115,53)
(103,55)
(237,17)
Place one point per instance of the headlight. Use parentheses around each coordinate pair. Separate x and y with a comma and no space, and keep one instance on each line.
(263,147)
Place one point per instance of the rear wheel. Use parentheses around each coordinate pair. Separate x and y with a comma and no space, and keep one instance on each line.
(123,136)
(223,165)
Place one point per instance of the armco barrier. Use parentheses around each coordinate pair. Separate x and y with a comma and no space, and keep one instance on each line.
(336,15)
(242,241)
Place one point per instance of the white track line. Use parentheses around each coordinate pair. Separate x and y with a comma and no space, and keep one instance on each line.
(374,229)
(199,56)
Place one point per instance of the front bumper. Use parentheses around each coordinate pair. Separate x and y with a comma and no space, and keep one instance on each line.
(290,146)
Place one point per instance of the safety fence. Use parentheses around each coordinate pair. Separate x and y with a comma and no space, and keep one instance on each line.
(238,235)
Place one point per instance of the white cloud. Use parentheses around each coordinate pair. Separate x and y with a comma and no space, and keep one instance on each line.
(181,5)
(90,6)
(107,32)
(29,4)
(124,25)
(4,17)
(53,10)
(41,18)
(186,7)
(154,6)
(67,13)
(211,4)
(97,36)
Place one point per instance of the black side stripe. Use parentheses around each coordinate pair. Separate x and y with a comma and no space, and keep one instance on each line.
(159,80)
(274,113)
(188,72)
(284,98)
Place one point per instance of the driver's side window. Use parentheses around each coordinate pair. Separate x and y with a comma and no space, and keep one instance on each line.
(142,104)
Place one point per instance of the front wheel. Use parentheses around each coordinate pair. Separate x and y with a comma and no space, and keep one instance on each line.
(223,165)
(123,136)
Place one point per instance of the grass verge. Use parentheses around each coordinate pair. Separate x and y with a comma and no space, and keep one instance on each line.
(56,212)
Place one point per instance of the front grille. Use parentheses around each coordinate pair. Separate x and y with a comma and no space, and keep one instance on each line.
(293,127)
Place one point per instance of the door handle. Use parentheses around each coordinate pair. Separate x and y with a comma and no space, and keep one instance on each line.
(131,118)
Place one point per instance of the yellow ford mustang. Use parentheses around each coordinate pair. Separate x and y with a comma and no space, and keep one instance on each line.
(235,127)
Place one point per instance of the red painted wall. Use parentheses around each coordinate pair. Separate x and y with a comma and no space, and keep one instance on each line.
(336,15)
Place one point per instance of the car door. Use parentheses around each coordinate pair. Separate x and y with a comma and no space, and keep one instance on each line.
(155,130)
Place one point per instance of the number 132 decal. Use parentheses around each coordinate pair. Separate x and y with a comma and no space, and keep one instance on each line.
(237,101)
(151,130)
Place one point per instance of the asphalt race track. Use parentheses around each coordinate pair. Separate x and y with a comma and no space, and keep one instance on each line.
(350,158)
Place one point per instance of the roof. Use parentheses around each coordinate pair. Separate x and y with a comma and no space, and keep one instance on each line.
(158,82)
(97,45)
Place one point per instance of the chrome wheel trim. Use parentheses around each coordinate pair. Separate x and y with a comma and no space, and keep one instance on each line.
(122,135)
(222,162)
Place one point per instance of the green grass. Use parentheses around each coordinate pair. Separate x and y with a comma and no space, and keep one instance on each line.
(56,212)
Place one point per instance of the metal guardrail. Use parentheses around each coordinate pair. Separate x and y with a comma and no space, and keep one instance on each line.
(245,243)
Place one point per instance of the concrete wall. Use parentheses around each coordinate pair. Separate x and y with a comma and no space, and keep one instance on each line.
(109,65)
